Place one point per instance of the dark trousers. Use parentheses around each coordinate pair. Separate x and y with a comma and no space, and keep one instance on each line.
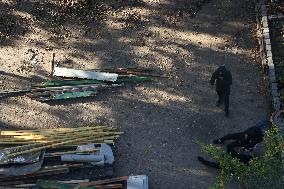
(236,137)
(224,96)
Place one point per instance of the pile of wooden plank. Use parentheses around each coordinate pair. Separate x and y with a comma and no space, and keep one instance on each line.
(24,154)
(80,83)
(124,182)
(42,172)
(29,141)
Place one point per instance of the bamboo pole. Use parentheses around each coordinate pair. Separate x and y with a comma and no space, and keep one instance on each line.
(55,130)
(53,137)
(44,147)
(56,133)
(29,141)
(25,151)
(34,142)
(29,144)
(83,139)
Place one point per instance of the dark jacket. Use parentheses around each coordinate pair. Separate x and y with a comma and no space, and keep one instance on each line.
(254,136)
(222,85)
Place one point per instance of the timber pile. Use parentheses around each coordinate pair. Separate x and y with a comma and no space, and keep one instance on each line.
(124,182)
(44,171)
(115,183)
(29,141)
(24,154)
(82,83)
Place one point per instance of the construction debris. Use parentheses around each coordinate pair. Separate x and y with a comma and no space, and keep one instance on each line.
(57,185)
(125,182)
(83,83)
(105,155)
(67,92)
(137,182)
(22,169)
(106,181)
(25,153)
(44,171)
(29,141)
(132,71)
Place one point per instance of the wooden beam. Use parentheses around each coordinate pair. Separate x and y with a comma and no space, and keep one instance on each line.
(106,181)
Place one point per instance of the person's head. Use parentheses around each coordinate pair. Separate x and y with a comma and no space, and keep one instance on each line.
(245,136)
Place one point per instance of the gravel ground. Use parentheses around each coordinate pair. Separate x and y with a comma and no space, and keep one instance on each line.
(162,120)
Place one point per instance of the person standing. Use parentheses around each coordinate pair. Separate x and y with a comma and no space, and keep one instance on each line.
(223,79)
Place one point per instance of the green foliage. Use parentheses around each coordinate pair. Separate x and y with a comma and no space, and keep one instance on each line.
(261,173)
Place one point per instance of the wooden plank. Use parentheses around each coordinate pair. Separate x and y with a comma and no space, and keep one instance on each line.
(68,92)
(73,181)
(105,181)
(43,172)
(25,185)
(133,73)
(55,185)
(14,92)
(70,82)
(109,186)
(73,73)
(133,79)
(62,87)
(45,184)
(52,63)
(114,70)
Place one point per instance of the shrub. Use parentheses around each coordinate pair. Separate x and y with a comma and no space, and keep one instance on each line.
(261,173)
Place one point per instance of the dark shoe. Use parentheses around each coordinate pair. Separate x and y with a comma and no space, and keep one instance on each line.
(218,103)
(218,141)
(200,158)
(227,113)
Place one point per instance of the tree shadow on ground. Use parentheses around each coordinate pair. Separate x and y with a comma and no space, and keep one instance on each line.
(161,120)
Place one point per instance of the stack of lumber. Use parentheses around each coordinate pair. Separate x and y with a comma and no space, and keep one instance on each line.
(115,183)
(124,182)
(29,141)
(44,171)
(82,83)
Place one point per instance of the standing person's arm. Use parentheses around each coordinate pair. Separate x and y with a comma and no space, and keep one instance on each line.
(214,77)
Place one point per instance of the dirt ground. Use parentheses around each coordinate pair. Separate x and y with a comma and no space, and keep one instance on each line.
(162,120)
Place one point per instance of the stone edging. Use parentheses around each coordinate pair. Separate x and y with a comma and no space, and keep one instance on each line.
(266,52)
(277,16)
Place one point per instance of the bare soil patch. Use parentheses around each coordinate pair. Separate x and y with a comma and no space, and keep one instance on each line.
(162,120)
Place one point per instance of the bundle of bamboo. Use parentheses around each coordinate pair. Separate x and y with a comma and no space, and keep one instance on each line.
(29,141)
